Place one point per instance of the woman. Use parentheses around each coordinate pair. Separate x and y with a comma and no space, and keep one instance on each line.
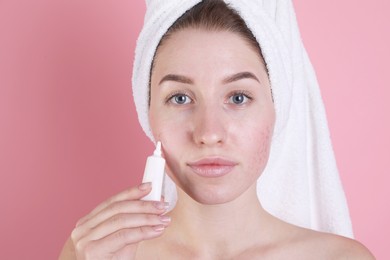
(217,106)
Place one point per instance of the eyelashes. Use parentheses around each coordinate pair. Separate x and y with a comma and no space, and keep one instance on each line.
(178,97)
(236,97)
(240,97)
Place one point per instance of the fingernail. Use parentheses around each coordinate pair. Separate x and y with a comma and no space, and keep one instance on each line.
(161,205)
(158,228)
(144,186)
(165,219)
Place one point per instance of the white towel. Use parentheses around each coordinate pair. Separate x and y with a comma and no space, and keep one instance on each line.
(300,183)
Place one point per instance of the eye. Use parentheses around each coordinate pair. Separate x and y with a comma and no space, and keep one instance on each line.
(179,99)
(239,98)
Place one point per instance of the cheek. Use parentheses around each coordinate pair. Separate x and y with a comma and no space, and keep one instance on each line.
(260,146)
(166,125)
(172,134)
(167,133)
(265,142)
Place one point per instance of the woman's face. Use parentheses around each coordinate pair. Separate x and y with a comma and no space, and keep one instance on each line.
(211,107)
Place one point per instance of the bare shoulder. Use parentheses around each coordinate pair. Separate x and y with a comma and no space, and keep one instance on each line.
(346,248)
(332,246)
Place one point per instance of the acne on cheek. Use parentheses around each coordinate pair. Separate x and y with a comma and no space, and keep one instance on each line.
(264,148)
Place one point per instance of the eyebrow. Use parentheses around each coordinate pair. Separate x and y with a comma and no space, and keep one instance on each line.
(230,79)
(239,76)
(177,78)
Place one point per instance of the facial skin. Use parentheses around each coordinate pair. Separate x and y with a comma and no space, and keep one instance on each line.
(217,106)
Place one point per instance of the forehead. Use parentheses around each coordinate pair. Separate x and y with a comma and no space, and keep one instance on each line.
(191,49)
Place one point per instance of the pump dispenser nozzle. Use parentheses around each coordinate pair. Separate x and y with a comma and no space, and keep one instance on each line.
(154,173)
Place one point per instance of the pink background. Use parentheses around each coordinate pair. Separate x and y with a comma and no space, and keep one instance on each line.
(69,137)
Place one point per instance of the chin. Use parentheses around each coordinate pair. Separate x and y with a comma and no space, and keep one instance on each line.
(212,195)
(211,191)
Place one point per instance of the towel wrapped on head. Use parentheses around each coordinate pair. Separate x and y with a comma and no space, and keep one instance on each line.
(300,184)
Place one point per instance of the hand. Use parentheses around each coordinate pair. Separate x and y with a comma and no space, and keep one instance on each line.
(115,227)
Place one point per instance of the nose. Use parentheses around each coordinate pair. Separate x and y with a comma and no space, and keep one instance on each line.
(209,127)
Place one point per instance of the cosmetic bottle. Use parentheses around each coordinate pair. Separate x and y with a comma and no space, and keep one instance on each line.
(154,173)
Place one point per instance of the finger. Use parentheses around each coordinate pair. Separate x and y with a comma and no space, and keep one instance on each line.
(126,221)
(133,193)
(124,237)
(124,207)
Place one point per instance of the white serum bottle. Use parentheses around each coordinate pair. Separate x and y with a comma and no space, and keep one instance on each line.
(154,173)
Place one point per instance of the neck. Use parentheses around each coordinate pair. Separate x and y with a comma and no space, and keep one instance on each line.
(223,229)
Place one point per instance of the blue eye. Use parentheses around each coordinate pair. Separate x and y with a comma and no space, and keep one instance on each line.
(239,98)
(180,99)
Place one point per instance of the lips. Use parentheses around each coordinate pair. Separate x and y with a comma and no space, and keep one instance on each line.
(212,167)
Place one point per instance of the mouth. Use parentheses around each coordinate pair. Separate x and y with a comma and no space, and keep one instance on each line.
(212,167)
